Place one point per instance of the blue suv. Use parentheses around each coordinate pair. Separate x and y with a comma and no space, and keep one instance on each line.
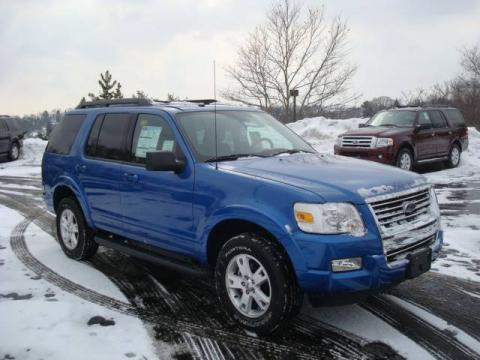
(232,193)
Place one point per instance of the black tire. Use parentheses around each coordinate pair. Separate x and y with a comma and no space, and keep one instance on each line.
(401,156)
(14,152)
(286,296)
(86,247)
(452,161)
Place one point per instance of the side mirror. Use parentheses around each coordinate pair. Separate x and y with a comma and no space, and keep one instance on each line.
(423,126)
(362,125)
(164,161)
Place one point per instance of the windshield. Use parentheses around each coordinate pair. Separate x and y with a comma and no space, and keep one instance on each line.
(403,119)
(239,134)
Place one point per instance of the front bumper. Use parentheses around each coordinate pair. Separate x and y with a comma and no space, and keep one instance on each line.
(377,274)
(384,155)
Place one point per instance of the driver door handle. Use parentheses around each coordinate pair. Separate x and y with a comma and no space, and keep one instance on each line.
(80,168)
(133,178)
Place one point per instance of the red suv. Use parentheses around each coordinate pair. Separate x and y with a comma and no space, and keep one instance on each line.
(408,136)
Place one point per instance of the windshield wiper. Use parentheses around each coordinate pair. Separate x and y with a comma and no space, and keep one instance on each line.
(389,125)
(231,157)
(285,151)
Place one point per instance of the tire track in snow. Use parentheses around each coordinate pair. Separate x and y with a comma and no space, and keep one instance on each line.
(438,343)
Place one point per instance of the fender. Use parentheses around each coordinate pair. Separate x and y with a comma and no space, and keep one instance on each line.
(67,181)
(269,220)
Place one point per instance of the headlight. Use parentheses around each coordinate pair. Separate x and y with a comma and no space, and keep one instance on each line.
(329,218)
(338,142)
(382,142)
(434,208)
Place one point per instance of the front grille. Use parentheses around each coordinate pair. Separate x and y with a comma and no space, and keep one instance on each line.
(358,141)
(392,212)
(405,221)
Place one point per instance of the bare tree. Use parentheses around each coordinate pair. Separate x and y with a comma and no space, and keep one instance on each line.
(294,49)
(471,61)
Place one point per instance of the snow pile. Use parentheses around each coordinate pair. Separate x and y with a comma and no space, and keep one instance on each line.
(321,133)
(29,162)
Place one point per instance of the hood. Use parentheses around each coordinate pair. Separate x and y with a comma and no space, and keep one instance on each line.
(334,178)
(378,131)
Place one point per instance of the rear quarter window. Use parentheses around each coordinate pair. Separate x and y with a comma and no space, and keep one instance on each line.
(64,134)
(455,118)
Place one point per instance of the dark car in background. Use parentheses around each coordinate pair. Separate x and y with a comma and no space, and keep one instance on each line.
(11,136)
(405,137)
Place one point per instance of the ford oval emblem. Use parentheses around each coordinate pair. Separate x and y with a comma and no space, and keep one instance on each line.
(409,207)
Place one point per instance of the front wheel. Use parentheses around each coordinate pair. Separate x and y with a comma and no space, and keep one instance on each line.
(256,285)
(454,156)
(405,159)
(14,153)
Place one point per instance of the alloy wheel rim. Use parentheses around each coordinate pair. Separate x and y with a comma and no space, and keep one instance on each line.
(405,162)
(15,152)
(248,285)
(455,156)
(69,229)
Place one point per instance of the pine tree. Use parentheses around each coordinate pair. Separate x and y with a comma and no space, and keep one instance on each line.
(107,86)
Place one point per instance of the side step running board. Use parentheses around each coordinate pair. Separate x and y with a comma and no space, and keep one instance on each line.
(189,268)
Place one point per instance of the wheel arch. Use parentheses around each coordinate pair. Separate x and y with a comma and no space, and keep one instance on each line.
(409,146)
(66,188)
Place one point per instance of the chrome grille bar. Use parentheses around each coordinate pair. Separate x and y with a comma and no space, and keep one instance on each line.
(358,141)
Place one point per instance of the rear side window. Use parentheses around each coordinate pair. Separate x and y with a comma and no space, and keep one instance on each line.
(424,119)
(455,118)
(64,134)
(91,147)
(111,139)
(3,126)
(438,121)
(12,124)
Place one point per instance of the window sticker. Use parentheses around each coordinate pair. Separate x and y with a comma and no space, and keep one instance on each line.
(148,140)
(168,145)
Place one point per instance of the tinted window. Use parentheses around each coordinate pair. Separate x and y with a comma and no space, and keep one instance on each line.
(91,147)
(455,118)
(64,134)
(3,125)
(12,124)
(152,133)
(438,121)
(424,118)
(111,143)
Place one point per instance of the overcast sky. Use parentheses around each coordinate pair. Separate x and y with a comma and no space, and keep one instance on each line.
(52,51)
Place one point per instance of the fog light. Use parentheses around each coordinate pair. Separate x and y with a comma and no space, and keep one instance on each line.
(347,264)
(380,156)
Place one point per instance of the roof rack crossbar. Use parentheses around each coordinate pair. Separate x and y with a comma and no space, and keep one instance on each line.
(114,102)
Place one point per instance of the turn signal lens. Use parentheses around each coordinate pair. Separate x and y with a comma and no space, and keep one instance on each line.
(304,217)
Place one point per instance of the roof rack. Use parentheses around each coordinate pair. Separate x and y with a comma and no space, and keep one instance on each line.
(114,102)
(202,101)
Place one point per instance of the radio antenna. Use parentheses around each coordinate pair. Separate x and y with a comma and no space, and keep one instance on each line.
(215,112)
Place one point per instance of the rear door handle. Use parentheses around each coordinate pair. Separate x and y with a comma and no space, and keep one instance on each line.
(131,177)
(80,168)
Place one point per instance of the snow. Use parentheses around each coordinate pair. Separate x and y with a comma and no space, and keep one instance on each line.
(28,163)
(354,319)
(440,324)
(52,324)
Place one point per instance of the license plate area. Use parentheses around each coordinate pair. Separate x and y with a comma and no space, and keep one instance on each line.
(420,262)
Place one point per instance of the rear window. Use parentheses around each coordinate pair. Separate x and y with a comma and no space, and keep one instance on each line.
(13,124)
(64,134)
(455,117)
(438,120)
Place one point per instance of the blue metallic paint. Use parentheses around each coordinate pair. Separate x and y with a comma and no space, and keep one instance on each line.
(178,212)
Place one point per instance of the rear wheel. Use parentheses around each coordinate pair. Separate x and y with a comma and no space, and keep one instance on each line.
(256,285)
(76,238)
(405,159)
(14,152)
(454,156)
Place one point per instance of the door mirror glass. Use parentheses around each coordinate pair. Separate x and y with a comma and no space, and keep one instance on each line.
(163,161)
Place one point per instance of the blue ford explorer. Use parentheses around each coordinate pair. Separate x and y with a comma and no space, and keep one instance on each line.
(231,192)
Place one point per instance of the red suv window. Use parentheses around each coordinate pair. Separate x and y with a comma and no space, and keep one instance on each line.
(438,121)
